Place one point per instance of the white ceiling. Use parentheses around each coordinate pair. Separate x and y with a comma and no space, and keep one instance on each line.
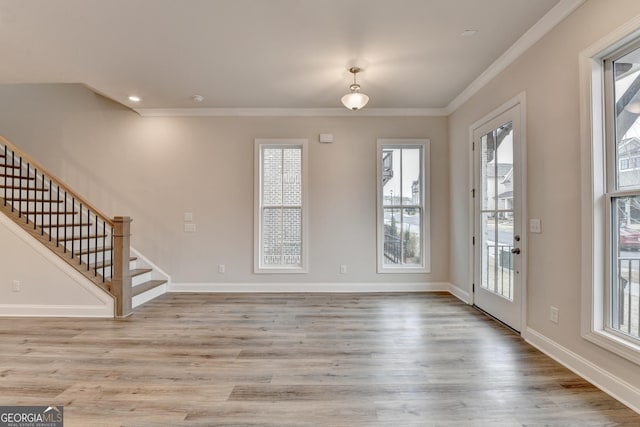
(262,53)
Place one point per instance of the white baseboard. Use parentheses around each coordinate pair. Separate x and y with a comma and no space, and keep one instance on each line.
(616,387)
(460,293)
(34,310)
(309,287)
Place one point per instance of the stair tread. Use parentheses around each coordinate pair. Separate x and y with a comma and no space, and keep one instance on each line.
(139,271)
(147,286)
(3,165)
(92,250)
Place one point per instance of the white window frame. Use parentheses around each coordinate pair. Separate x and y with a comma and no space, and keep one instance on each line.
(596,204)
(258,266)
(425,266)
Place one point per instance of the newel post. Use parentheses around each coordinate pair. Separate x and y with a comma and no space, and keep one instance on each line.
(121,279)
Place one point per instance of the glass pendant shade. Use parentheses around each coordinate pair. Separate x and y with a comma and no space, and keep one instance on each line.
(355,100)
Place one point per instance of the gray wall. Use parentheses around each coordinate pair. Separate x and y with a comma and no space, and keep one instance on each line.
(155,169)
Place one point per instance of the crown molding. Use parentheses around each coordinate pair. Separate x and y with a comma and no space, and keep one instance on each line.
(290,112)
(552,18)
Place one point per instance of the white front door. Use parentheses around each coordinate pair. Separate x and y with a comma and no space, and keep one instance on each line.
(498,237)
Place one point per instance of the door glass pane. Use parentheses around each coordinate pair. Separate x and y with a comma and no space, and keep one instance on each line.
(489,251)
(625,291)
(626,71)
(488,167)
(497,211)
(504,269)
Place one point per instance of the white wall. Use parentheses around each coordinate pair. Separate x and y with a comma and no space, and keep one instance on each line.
(155,169)
(548,73)
(48,285)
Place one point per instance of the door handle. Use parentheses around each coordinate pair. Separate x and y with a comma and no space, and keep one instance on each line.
(515,251)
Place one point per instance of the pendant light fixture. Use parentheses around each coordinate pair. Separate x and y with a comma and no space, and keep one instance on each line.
(355,99)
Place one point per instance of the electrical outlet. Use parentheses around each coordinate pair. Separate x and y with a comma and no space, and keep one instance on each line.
(16,286)
(221,268)
(343,269)
(554,314)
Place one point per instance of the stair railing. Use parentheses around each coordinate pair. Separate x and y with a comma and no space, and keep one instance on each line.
(81,234)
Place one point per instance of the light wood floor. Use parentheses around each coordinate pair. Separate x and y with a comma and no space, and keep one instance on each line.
(303,360)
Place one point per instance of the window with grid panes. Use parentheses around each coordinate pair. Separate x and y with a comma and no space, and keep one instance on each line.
(280,206)
(622,139)
(610,72)
(403,215)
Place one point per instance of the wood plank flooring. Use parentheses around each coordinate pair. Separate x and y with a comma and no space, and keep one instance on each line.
(294,360)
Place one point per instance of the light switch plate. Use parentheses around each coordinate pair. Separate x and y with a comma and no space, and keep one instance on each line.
(188,216)
(189,227)
(535,225)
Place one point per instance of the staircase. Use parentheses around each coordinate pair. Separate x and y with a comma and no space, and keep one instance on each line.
(79,233)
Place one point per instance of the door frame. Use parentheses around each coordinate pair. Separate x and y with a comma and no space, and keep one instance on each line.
(520,100)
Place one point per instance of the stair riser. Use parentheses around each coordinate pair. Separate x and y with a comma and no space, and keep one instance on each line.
(76,247)
(107,270)
(91,258)
(148,296)
(104,273)
(140,279)
(59,234)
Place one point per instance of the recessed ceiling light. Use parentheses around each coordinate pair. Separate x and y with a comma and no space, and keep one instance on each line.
(469,33)
(197,98)
(134,98)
